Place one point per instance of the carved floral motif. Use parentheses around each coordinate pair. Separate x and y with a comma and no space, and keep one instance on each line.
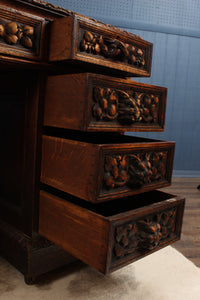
(106,106)
(13,33)
(115,171)
(125,107)
(145,234)
(112,48)
(134,169)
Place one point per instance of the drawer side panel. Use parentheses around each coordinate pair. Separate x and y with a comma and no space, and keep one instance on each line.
(70,166)
(61,39)
(66,101)
(76,230)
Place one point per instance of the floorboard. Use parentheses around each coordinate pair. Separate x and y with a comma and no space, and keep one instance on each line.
(189,245)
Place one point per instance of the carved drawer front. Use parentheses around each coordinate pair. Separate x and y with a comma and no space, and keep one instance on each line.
(92,102)
(80,39)
(21,34)
(108,236)
(102,167)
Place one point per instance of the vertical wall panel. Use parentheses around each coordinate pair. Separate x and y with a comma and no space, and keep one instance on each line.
(177,68)
(170,13)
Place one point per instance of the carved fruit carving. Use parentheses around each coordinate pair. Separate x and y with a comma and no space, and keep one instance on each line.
(112,48)
(14,33)
(126,241)
(134,170)
(116,171)
(106,106)
(144,234)
(124,107)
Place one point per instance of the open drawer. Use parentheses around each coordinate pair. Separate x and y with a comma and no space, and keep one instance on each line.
(100,167)
(84,41)
(110,235)
(93,102)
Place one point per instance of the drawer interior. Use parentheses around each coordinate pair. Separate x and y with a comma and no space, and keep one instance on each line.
(95,137)
(117,206)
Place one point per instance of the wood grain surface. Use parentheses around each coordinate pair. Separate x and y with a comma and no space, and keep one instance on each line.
(189,245)
(96,169)
(109,236)
(104,48)
(93,102)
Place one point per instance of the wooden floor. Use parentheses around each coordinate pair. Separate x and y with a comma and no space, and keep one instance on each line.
(189,245)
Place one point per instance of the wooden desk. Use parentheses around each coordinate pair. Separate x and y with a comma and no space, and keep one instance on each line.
(46,53)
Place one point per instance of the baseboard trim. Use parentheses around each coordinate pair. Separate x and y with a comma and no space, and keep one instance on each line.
(186,173)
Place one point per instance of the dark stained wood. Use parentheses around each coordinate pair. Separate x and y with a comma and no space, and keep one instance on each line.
(98,169)
(189,245)
(33,256)
(25,36)
(110,237)
(20,101)
(83,40)
(66,101)
(92,102)
(21,35)
(21,98)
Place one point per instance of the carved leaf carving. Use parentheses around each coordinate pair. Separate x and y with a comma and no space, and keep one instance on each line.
(112,48)
(129,108)
(126,107)
(145,234)
(134,169)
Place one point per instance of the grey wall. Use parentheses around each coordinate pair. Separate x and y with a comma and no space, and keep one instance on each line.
(173,26)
